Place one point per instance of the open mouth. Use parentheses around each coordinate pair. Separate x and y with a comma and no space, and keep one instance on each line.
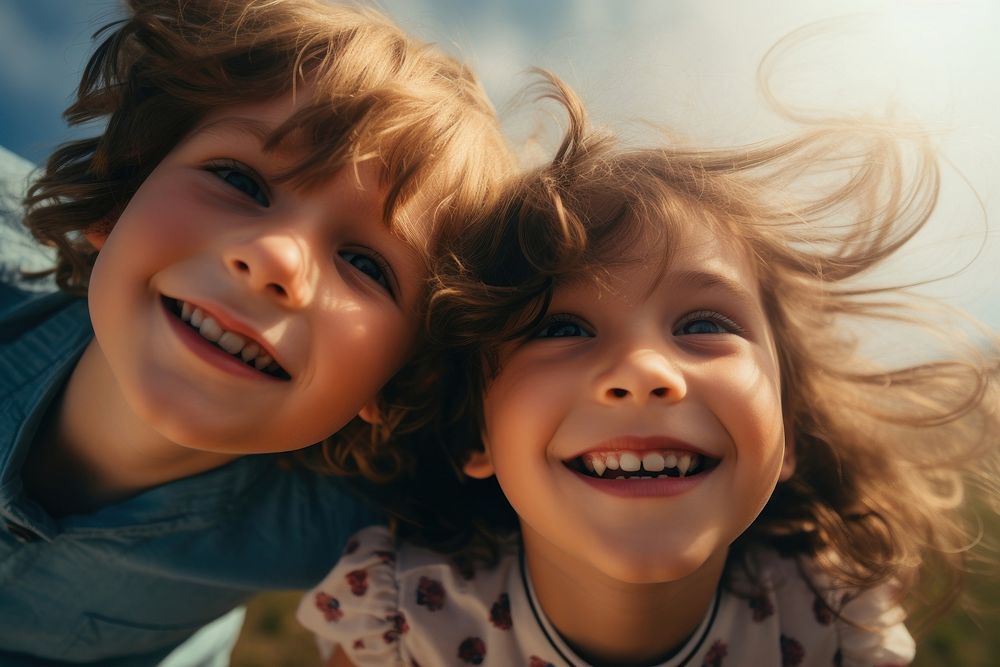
(248,351)
(642,465)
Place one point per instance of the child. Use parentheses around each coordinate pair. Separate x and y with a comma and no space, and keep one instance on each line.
(647,349)
(250,231)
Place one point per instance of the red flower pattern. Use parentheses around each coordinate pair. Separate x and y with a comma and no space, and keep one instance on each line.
(822,611)
(715,654)
(500,612)
(358,581)
(399,627)
(430,594)
(792,652)
(762,607)
(329,606)
(472,651)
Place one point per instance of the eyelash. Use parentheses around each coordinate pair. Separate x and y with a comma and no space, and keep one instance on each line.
(383,266)
(232,166)
(727,324)
(560,320)
(718,318)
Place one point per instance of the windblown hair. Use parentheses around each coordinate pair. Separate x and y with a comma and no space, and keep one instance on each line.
(373,93)
(884,453)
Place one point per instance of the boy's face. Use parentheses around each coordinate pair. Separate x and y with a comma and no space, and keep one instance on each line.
(313,296)
(674,381)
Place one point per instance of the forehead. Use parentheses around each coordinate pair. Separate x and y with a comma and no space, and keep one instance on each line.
(698,251)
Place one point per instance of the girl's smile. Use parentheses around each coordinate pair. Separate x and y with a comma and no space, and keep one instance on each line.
(634,466)
(639,429)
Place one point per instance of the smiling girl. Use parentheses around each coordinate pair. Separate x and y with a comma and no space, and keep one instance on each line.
(684,458)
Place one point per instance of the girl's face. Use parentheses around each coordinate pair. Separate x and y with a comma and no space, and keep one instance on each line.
(241,314)
(639,429)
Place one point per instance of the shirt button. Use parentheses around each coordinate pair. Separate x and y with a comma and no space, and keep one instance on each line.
(21,533)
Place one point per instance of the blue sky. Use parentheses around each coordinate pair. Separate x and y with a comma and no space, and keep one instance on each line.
(685,64)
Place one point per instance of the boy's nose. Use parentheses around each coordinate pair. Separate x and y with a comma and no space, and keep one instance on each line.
(275,264)
(641,376)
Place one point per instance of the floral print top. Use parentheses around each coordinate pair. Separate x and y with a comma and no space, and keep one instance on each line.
(398,605)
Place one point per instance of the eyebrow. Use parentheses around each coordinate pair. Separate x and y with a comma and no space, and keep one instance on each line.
(254,127)
(709,280)
(244,124)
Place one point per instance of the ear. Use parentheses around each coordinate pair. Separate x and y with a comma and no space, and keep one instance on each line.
(96,235)
(788,461)
(370,412)
(479,465)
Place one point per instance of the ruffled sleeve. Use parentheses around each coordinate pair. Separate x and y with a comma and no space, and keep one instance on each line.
(357,605)
(871,631)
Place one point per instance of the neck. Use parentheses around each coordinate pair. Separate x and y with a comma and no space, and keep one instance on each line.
(93,450)
(611,622)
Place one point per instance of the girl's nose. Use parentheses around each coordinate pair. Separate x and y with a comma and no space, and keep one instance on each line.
(641,376)
(274,264)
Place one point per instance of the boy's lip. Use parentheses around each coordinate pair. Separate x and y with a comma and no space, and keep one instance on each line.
(230,323)
(638,443)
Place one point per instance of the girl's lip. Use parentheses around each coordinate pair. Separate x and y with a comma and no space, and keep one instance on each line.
(637,443)
(643,488)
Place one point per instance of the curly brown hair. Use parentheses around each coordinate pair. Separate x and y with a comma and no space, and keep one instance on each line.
(373,93)
(884,452)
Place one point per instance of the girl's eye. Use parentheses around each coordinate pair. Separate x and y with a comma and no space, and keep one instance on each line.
(564,328)
(372,266)
(706,322)
(244,181)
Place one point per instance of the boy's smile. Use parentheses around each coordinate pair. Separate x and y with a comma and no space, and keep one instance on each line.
(241,313)
(638,432)
(229,346)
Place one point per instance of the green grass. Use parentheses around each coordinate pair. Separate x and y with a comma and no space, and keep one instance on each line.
(272,637)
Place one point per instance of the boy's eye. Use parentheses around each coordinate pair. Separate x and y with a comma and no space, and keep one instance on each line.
(563,328)
(706,322)
(244,181)
(371,266)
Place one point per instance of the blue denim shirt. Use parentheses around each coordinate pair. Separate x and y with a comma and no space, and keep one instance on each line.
(128,583)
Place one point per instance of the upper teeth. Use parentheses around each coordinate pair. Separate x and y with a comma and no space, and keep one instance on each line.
(655,462)
(232,343)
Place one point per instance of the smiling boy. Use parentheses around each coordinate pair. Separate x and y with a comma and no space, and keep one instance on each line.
(250,233)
